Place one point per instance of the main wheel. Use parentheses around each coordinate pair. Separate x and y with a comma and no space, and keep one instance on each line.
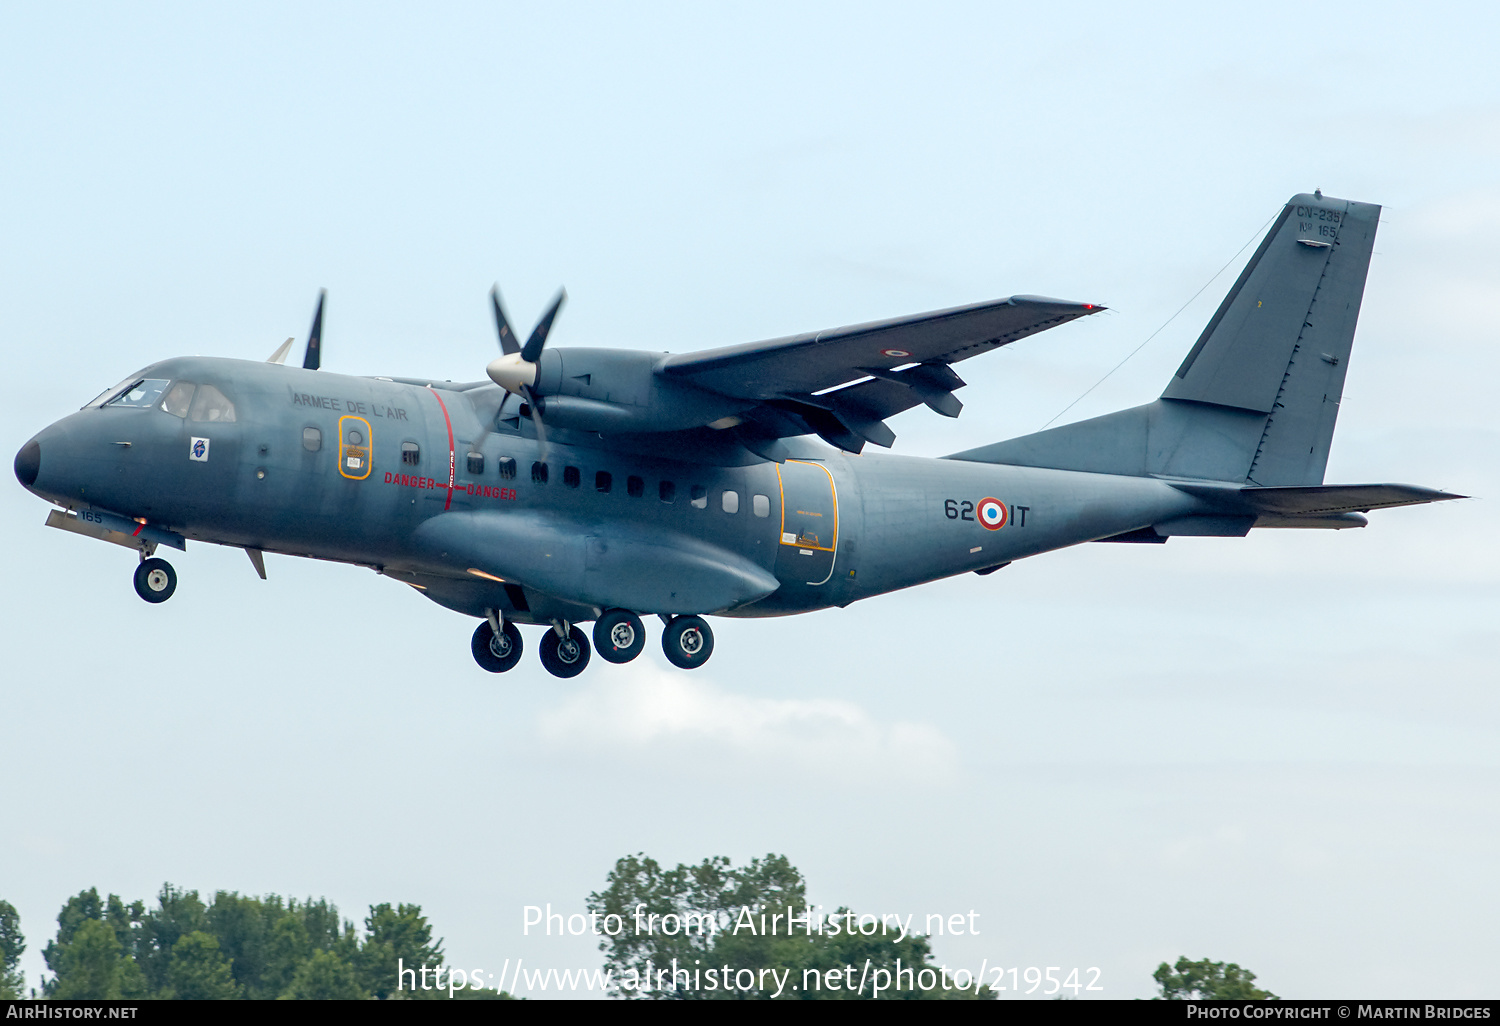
(688,642)
(496,652)
(155,580)
(619,635)
(565,657)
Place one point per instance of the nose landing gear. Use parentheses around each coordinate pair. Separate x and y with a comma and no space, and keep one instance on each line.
(687,642)
(155,580)
(564,650)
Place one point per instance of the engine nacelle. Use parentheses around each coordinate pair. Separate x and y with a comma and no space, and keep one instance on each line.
(614,391)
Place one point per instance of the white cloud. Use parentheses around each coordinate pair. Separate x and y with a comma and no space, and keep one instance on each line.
(647,711)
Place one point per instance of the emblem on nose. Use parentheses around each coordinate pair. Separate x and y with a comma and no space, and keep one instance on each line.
(28,463)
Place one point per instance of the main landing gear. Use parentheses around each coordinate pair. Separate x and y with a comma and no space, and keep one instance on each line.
(687,641)
(155,580)
(496,651)
(619,636)
(564,650)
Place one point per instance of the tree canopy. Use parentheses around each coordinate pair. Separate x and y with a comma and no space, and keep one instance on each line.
(715,910)
(233,946)
(12,946)
(1208,981)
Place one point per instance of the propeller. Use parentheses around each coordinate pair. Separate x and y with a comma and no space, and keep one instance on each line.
(314,354)
(280,355)
(516,370)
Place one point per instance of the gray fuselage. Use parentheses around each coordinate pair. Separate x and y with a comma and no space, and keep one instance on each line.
(425,483)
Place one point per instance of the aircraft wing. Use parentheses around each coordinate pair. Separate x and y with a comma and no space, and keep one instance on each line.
(799,378)
(820,360)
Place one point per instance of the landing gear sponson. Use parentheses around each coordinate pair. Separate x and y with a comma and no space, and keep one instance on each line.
(619,635)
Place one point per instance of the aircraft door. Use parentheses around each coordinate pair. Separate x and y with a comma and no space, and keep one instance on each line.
(809,523)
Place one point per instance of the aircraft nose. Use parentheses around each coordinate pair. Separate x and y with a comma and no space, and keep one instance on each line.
(29,463)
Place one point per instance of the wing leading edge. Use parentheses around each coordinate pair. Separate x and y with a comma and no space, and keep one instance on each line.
(843,383)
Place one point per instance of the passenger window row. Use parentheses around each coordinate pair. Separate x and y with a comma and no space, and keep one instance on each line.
(635,486)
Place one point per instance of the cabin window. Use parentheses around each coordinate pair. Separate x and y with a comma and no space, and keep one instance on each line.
(312,439)
(571,477)
(602,481)
(143,393)
(411,453)
(178,399)
(730,502)
(635,487)
(760,505)
(539,473)
(700,497)
(667,491)
(507,467)
(211,405)
(476,463)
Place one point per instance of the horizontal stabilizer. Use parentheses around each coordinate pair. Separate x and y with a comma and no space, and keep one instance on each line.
(1314,500)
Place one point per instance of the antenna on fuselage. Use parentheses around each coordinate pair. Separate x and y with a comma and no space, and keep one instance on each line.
(314,354)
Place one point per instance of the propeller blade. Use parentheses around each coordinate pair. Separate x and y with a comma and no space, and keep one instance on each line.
(534,344)
(280,355)
(314,354)
(486,426)
(508,343)
(536,418)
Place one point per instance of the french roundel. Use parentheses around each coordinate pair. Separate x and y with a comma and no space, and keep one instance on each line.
(993,514)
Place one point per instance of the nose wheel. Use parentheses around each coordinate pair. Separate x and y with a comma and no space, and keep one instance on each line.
(155,580)
(619,635)
(564,655)
(496,652)
(687,642)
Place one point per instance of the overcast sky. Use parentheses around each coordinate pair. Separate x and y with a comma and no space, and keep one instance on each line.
(1281,750)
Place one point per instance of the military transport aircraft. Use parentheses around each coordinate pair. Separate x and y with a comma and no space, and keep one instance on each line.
(584,484)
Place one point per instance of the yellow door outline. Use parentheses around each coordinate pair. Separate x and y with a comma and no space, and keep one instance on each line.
(355,461)
(803,542)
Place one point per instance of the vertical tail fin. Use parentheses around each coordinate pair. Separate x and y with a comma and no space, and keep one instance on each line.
(1256,399)
(1279,343)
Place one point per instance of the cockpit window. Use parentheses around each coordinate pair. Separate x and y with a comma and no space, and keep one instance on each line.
(179,398)
(142,392)
(109,393)
(209,404)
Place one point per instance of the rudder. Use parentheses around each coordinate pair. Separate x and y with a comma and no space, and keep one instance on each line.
(1279,344)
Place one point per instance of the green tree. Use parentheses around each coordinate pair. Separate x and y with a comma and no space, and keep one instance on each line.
(396,937)
(177,914)
(94,965)
(243,928)
(12,945)
(714,911)
(325,977)
(93,954)
(198,970)
(236,946)
(1208,981)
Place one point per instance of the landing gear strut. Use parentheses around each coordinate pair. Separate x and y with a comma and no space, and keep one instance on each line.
(687,642)
(564,650)
(155,580)
(496,651)
(619,635)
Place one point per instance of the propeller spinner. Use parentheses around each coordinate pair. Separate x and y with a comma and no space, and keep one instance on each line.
(516,370)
